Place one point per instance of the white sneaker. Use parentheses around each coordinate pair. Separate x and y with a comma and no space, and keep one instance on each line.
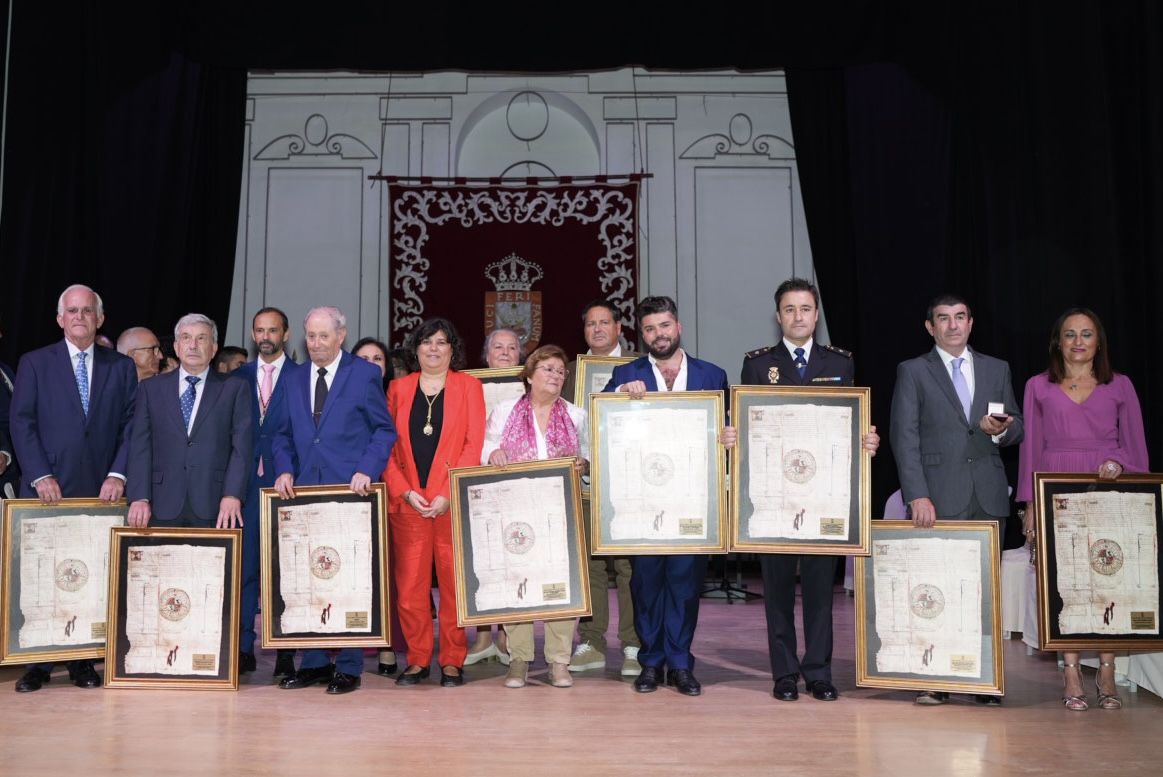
(487,654)
(585,657)
(630,665)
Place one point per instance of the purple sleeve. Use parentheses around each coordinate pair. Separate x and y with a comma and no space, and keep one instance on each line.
(1030,452)
(1132,440)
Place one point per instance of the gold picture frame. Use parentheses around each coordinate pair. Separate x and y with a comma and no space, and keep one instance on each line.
(590,366)
(853,516)
(567,576)
(158,579)
(1111,581)
(500,384)
(888,655)
(369,628)
(66,573)
(709,528)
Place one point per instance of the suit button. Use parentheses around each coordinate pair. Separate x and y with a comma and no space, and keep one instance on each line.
(316,440)
(970,432)
(969,461)
(190,444)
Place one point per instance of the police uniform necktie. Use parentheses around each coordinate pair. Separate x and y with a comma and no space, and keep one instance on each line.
(961,386)
(188,397)
(320,394)
(82,375)
(801,362)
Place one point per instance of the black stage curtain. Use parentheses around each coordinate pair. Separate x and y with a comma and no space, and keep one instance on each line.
(1007,151)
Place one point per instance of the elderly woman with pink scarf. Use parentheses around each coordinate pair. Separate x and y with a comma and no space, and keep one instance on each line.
(539,425)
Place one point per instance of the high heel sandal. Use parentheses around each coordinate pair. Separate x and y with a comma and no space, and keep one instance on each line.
(1106,701)
(1074,703)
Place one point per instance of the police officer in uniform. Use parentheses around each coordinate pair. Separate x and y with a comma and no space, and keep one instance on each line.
(800,361)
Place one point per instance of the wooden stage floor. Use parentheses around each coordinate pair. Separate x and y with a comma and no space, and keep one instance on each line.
(598,727)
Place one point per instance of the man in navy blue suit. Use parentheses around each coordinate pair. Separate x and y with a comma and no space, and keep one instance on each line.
(267,379)
(71,405)
(666,589)
(190,443)
(337,430)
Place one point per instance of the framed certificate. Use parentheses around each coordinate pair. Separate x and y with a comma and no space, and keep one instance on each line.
(54,579)
(1098,561)
(173,608)
(499,383)
(325,568)
(658,474)
(800,475)
(593,373)
(518,543)
(928,612)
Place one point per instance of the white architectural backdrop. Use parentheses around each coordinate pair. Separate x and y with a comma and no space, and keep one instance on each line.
(721,222)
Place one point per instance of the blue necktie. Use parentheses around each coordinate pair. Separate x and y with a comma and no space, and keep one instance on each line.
(188,397)
(801,362)
(82,375)
(961,386)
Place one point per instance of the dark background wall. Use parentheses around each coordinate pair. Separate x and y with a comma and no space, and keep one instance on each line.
(1007,151)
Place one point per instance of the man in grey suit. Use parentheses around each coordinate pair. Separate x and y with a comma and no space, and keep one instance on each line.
(191,439)
(945,441)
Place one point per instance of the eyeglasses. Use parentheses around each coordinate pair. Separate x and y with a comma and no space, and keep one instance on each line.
(558,371)
(155,348)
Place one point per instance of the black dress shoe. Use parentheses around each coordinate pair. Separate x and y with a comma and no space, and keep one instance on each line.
(987,700)
(786,688)
(386,670)
(84,675)
(305,678)
(246,662)
(451,680)
(414,677)
(32,680)
(647,679)
(684,680)
(343,683)
(822,690)
(284,664)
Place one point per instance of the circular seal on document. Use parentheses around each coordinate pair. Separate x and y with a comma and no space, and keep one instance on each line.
(175,604)
(1106,557)
(799,466)
(926,601)
(325,562)
(657,469)
(519,537)
(72,574)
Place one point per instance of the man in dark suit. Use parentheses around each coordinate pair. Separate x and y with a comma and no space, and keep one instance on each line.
(666,589)
(944,439)
(71,404)
(191,441)
(267,379)
(800,361)
(601,327)
(337,430)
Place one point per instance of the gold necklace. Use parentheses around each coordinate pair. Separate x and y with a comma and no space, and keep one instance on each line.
(428,421)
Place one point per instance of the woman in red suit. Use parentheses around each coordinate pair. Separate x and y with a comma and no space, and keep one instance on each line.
(440,417)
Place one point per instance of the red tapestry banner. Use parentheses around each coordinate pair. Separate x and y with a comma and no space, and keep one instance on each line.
(525,258)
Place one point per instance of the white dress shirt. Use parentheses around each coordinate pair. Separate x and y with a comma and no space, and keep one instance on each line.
(679,381)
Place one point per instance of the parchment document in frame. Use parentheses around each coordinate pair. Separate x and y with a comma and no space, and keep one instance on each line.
(799,471)
(658,461)
(173,609)
(1106,551)
(497,392)
(928,606)
(64,579)
(325,567)
(520,543)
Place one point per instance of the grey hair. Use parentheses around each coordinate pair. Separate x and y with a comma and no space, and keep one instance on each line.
(192,319)
(332,312)
(489,344)
(78,287)
(123,338)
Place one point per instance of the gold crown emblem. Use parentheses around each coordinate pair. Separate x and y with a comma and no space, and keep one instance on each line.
(514,273)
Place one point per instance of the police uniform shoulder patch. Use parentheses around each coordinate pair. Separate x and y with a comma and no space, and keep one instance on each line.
(840,351)
(758,352)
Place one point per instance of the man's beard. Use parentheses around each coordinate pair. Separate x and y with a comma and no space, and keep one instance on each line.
(669,351)
(268,348)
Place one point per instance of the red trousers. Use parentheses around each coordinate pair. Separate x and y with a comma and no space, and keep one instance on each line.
(416,542)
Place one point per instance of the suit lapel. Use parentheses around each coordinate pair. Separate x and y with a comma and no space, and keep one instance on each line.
(404,426)
(171,401)
(648,377)
(788,372)
(694,373)
(210,394)
(941,376)
(342,373)
(981,383)
(453,396)
(816,364)
(101,369)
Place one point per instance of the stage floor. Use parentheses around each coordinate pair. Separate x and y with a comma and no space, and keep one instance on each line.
(598,727)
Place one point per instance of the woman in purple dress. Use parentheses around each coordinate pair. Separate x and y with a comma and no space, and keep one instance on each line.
(1081,416)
